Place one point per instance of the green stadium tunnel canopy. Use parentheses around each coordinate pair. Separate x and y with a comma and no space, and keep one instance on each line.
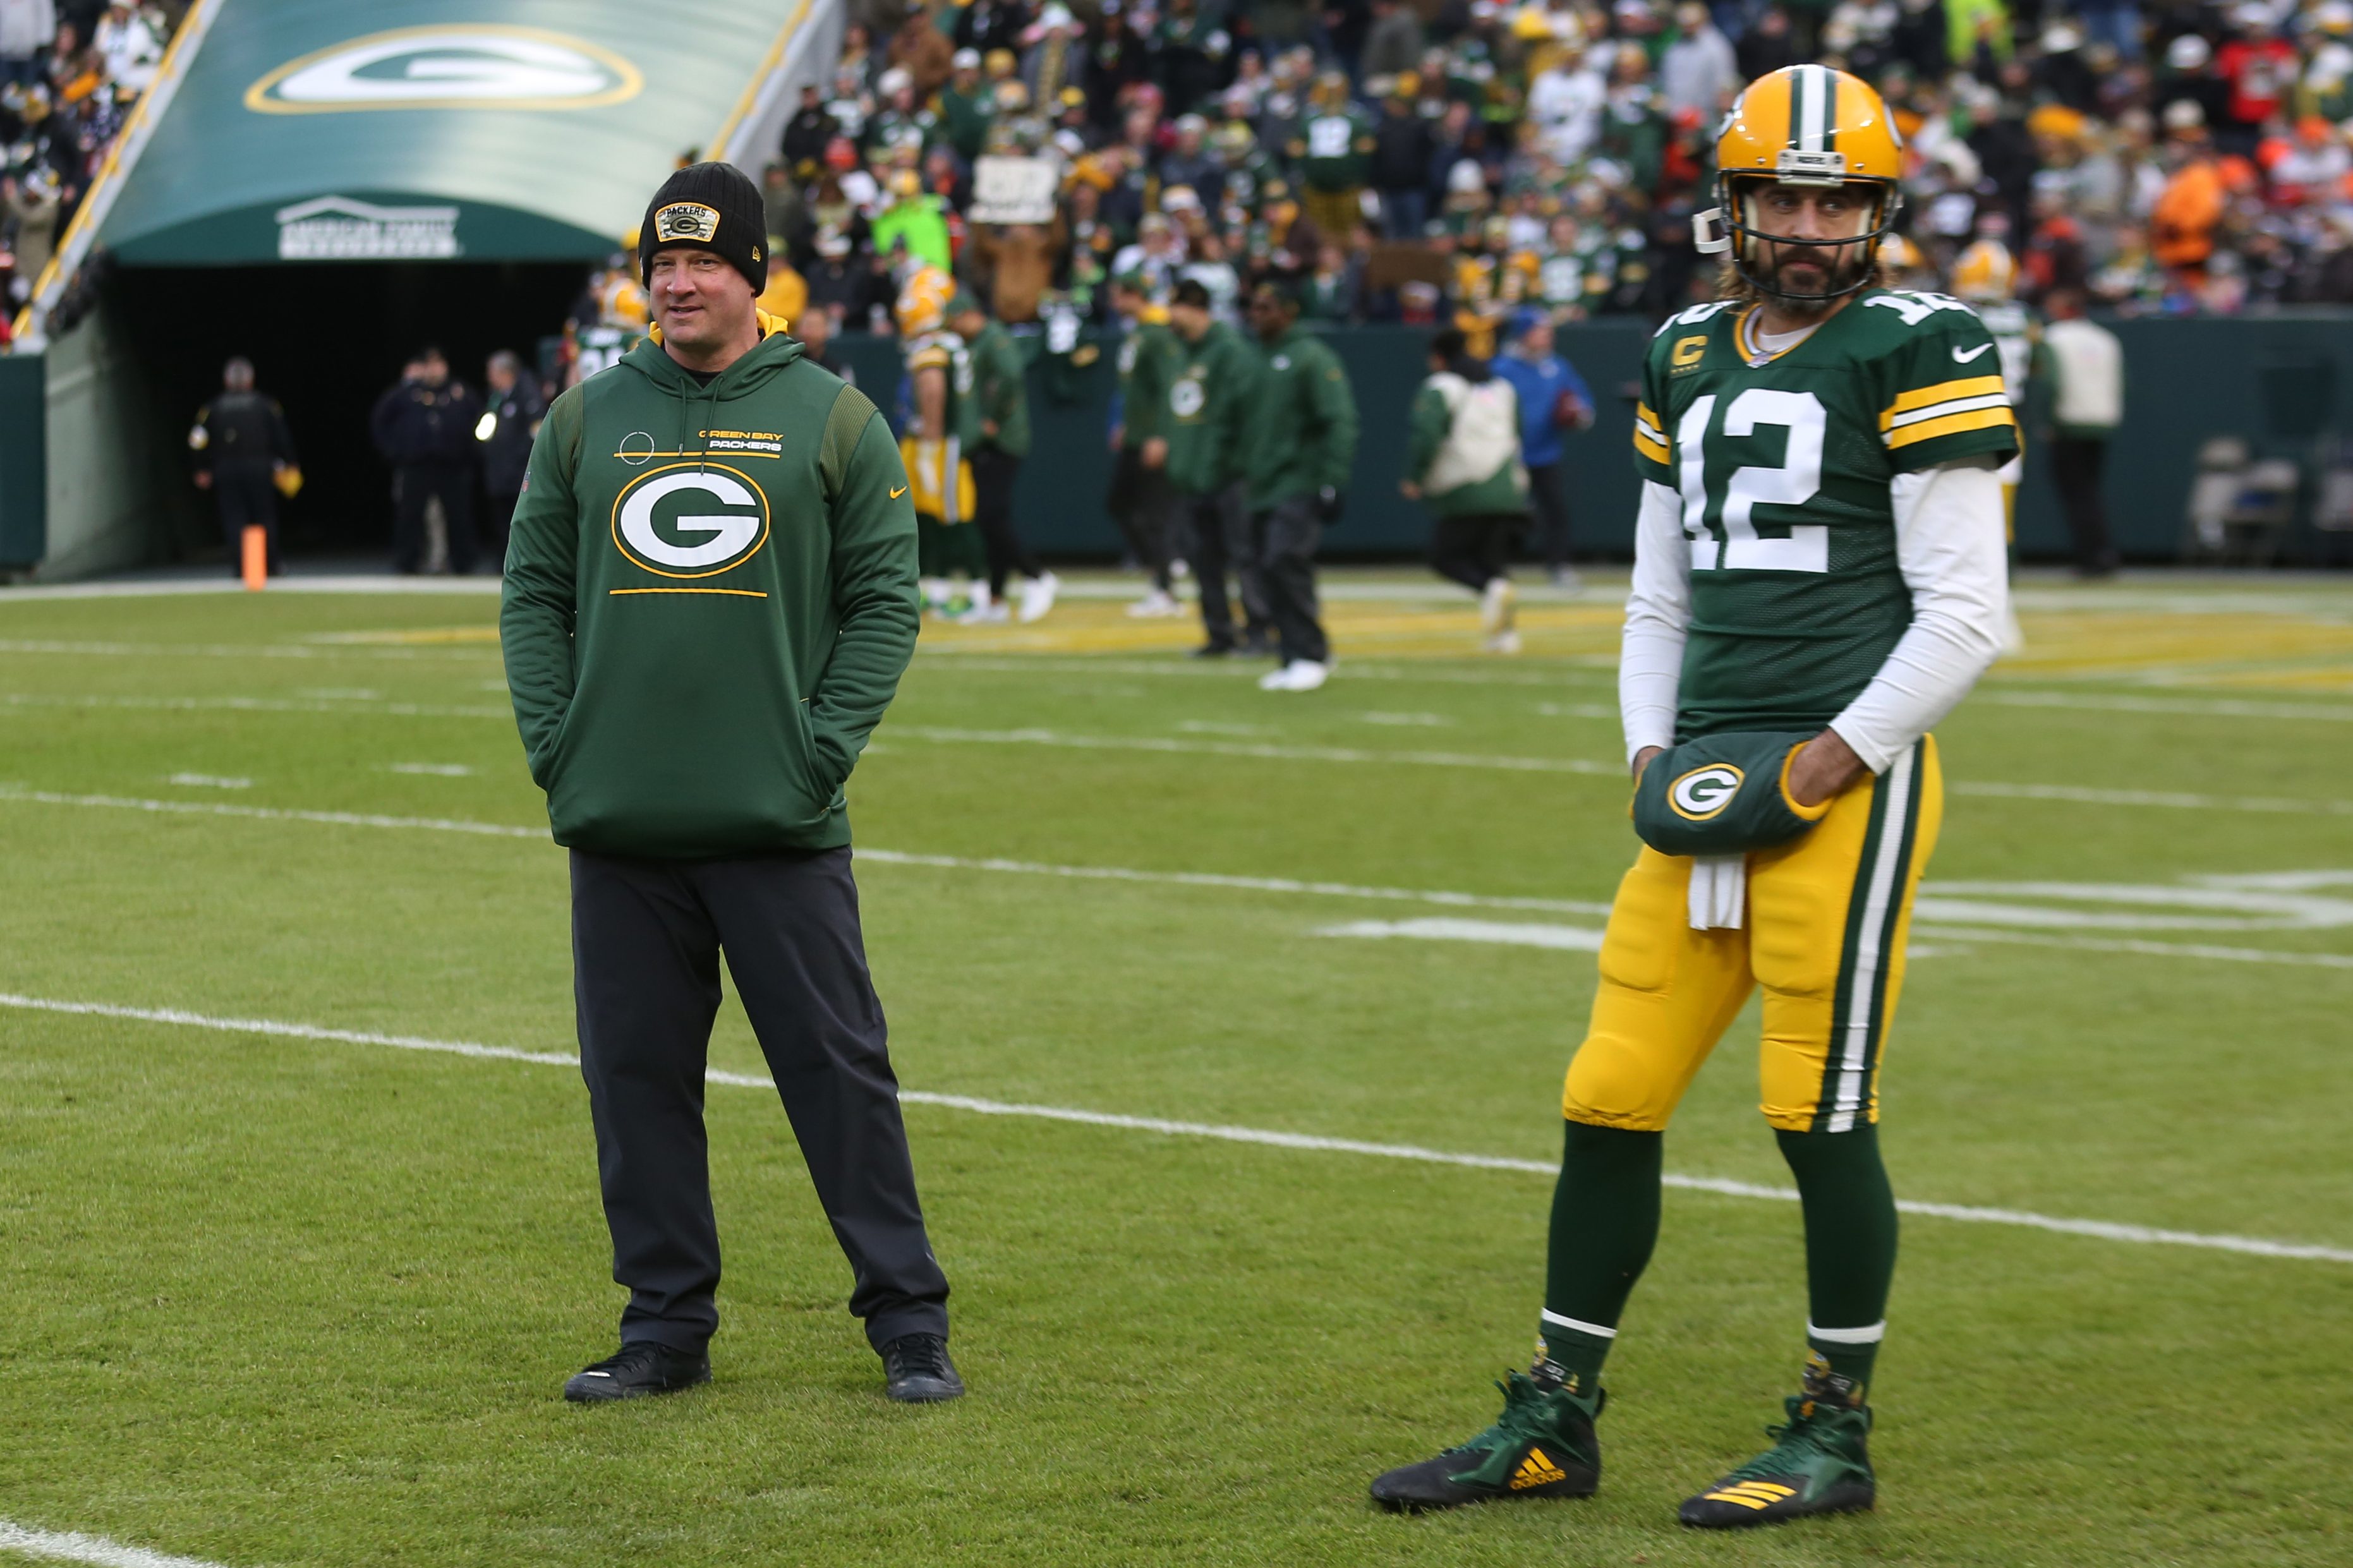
(439,130)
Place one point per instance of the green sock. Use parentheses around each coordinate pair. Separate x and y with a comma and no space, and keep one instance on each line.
(1605,1220)
(1850,1213)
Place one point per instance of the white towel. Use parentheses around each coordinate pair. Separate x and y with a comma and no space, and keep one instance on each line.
(1719,891)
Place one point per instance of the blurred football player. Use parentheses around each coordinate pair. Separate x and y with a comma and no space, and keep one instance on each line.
(1818,580)
(940,433)
(1985,275)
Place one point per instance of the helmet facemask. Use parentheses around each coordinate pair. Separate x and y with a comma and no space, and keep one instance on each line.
(1849,260)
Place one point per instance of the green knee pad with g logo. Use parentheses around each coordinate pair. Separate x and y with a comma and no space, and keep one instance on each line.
(1722,795)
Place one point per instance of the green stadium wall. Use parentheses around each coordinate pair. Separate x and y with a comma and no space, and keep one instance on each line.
(2272,380)
(87,471)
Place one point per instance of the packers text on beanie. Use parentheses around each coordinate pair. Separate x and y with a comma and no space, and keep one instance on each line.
(714,207)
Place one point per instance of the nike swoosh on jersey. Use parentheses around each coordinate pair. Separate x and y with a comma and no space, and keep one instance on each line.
(897,493)
(1961,358)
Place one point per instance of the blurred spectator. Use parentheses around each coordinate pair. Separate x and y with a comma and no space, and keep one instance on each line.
(1698,71)
(2083,366)
(1402,146)
(786,297)
(505,431)
(132,45)
(242,452)
(814,331)
(915,221)
(808,131)
(1451,164)
(63,102)
(1553,401)
(27,28)
(425,429)
(1393,43)
(1463,461)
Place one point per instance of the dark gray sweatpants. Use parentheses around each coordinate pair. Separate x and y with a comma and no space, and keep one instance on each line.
(646,940)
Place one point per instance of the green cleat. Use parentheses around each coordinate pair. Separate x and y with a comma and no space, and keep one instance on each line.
(1541,1445)
(1820,1465)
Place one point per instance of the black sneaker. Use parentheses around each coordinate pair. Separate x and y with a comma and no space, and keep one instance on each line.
(1821,1462)
(1543,1445)
(1212,650)
(917,1371)
(640,1369)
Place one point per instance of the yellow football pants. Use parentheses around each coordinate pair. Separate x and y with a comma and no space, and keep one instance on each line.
(1828,917)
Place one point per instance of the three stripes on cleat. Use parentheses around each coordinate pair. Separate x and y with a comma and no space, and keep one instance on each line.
(1758,1495)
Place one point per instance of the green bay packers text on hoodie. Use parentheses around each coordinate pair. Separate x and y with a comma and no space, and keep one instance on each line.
(710,599)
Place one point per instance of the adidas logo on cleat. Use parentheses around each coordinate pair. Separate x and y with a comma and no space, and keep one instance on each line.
(1758,1495)
(1536,1471)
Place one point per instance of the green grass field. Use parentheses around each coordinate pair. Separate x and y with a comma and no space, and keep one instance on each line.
(290,1299)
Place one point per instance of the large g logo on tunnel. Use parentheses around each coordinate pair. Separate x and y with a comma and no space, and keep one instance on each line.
(691,520)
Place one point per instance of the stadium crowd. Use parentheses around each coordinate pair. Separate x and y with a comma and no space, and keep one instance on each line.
(70,72)
(1449,162)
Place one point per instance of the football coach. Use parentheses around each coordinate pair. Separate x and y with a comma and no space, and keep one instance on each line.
(709,598)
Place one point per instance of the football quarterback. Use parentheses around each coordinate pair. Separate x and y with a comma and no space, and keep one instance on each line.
(1818,580)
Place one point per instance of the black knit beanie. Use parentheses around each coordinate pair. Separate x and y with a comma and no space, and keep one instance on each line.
(714,207)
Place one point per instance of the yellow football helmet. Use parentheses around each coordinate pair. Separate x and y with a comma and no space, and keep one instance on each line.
(924,301)
(1985,271)
(1803,125)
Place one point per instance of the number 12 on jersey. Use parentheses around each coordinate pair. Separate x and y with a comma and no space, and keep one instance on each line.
(1719,516)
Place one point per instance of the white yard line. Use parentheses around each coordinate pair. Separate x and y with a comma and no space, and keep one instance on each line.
(1435,674)
(176,587)
(1252,750)
(2069,793)
(1507,933)
(91,649)
(1965,935)
(1281,885)
(2188,707)
(2103,1230)
(66,1546)
(1169,746)
(1244,884)
(354,706)
(273,814)
(2078,795)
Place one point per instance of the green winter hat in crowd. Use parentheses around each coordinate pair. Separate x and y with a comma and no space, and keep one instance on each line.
(714,207)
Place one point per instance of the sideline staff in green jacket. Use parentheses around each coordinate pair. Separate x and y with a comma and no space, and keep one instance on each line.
(1208,424)
(1303,444)
(709,598)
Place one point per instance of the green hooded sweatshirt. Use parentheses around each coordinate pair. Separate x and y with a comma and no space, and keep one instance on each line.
(1000,382)
(1209,409)
(709,598)
(1303,423)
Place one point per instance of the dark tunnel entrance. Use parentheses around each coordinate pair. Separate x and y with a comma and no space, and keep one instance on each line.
(326,342)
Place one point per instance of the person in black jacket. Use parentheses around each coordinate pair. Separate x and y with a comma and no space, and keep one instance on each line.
(241,446)
(1402,149)
(425,429)
(505,431)
(808,132)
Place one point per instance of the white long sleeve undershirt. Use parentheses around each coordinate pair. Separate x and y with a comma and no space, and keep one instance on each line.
(1949,549)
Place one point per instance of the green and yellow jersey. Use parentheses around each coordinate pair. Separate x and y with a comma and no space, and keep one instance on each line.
(1785,463)
(930,464)
(1335,149)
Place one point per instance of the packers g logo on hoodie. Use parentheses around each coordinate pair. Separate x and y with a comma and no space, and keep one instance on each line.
(691,520)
